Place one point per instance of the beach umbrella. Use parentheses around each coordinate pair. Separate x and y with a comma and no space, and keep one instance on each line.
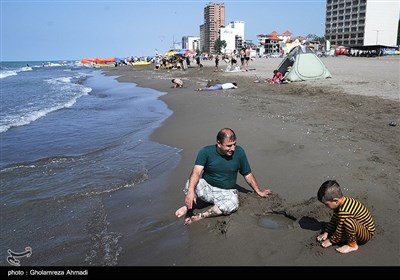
(171,53)
(189,53)
(182,52)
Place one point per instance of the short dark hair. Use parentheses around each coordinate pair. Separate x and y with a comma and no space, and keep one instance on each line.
(329,190)
(226,133)
(235,84)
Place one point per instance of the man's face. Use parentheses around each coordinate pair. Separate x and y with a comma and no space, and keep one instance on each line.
(226,148)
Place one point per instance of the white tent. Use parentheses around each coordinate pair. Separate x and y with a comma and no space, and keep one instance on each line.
(302,64)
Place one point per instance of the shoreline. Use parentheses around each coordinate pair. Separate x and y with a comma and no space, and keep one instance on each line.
(295,136)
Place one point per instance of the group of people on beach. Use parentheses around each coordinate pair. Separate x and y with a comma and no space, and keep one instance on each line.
(213,180)
(244,55)
(277,78)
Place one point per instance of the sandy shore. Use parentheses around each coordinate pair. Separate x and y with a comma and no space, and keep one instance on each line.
(296,136)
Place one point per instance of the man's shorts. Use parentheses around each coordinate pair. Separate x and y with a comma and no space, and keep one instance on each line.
(226,200)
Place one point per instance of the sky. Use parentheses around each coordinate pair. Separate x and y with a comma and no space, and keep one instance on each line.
(33,30)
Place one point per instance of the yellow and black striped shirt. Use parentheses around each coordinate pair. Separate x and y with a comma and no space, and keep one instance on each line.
(349,209)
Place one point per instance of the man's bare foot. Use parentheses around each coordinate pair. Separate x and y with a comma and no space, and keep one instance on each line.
(347,249)
(181,212)
(188,220)
(194,218)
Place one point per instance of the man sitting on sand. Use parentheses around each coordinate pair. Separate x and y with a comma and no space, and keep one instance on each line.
(213,178)
(219,87)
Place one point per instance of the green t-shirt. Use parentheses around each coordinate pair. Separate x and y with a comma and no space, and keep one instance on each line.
(221,171)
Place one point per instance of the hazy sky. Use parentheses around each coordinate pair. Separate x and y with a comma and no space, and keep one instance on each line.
(73,29)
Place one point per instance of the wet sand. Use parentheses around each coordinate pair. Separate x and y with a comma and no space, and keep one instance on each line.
(296,136)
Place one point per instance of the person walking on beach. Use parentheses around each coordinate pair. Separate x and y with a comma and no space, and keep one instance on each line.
(242,54)
(247,57)
(198,61)
(213,179)
(234,58)
(216,60)
(351,221)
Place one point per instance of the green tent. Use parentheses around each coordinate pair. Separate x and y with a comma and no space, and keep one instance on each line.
(301,64)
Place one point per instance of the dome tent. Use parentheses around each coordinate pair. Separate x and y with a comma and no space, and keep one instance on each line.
(301,64)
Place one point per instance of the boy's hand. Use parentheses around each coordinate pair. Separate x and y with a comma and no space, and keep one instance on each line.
(322,236)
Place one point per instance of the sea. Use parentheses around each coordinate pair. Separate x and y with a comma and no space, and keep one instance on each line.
(69,135)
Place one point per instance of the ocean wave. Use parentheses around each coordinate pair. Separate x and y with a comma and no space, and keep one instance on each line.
(69,90)
(28,117)
(8,73)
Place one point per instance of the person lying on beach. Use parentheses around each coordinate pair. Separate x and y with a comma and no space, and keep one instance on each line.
(351,221)
(219,87)
(276,78)
(213,179)
(177,83)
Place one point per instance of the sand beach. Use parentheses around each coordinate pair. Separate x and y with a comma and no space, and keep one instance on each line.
(296,136)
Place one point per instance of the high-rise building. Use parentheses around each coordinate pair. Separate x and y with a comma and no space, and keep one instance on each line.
(214,18)
(360,23)
(233,35)
(191,43)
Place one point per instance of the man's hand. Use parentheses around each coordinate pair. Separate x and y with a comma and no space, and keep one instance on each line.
(189,199)
(264,193)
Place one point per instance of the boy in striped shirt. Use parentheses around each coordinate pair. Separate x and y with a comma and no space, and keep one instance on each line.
(351,220)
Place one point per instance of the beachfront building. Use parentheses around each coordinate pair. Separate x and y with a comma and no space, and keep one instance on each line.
(233,35)
(361,23)
(214,18)
(191,43)
(272,43)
